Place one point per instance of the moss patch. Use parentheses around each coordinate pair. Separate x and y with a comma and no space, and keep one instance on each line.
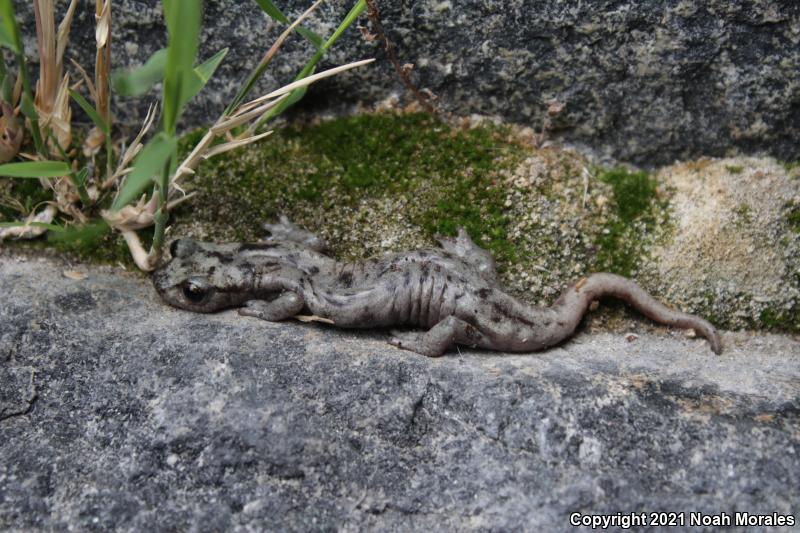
(780,319)
(734,169)
(634,200)
(793,217)
(449,177)
(20,195)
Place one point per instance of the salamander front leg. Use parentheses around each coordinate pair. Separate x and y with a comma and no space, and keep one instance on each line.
(286,305)
(439,338)
(285,230)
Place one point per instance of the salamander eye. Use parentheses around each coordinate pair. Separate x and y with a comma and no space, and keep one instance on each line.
(196,292)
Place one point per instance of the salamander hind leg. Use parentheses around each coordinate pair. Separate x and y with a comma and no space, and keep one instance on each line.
(464,247)
(439,338)
(284,230)
(286,305)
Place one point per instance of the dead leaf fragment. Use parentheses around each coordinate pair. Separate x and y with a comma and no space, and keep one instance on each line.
(313,318)
(74,275)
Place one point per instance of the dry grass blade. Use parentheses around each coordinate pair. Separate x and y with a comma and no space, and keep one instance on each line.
(63,35)
(17,93)
(222,148)
(103,59)
(138,216)
(253,112)
(309,80)
(86,79)
(223,125)
(49,76)
(30,232)
(61,115)
(93,142)
(245,109)
(133,149)
(288,31)
(103,19)
(268,57)
(190,163)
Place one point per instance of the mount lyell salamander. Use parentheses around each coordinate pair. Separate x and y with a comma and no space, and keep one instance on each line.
(452,291)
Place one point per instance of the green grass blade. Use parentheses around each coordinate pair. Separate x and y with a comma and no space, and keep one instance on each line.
(138,81)
(183,28)
(5,37)
(351,17)
(27,107)
(35,169)
(276,14)
(9,30)
(81,176)
(202,73)
(272,10)
(207,69)
(294,97)
(310,36)
(7,83)
(89,110)
(309,67)
(149,163)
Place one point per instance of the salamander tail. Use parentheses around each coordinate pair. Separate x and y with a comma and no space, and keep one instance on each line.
(574,302)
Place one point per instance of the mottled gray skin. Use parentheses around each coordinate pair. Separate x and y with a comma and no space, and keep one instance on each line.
(453,292)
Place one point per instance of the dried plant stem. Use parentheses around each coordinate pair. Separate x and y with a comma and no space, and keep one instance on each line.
(375,18)
(102,68)
(51,102)
(160,217)
(47,85)
(139,255)
(133,149)
(308,80)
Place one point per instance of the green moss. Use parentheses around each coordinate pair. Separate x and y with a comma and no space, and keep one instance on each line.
(734,169)
(28,193)
(96,242)
(450,176)
(793,217)
(619,244)
(744,216)
(780,320)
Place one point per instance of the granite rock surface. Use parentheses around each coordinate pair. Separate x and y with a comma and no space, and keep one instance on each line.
(645,82)
(120,413)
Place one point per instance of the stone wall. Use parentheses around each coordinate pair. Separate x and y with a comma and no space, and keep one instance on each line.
(646,82)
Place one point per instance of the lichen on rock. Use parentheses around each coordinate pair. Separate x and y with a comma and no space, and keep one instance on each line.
(733,255)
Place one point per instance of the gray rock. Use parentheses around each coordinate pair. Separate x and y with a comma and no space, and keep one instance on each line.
(646,82)
(153,419)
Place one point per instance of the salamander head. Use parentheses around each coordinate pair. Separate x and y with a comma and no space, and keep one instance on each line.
(201,277)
